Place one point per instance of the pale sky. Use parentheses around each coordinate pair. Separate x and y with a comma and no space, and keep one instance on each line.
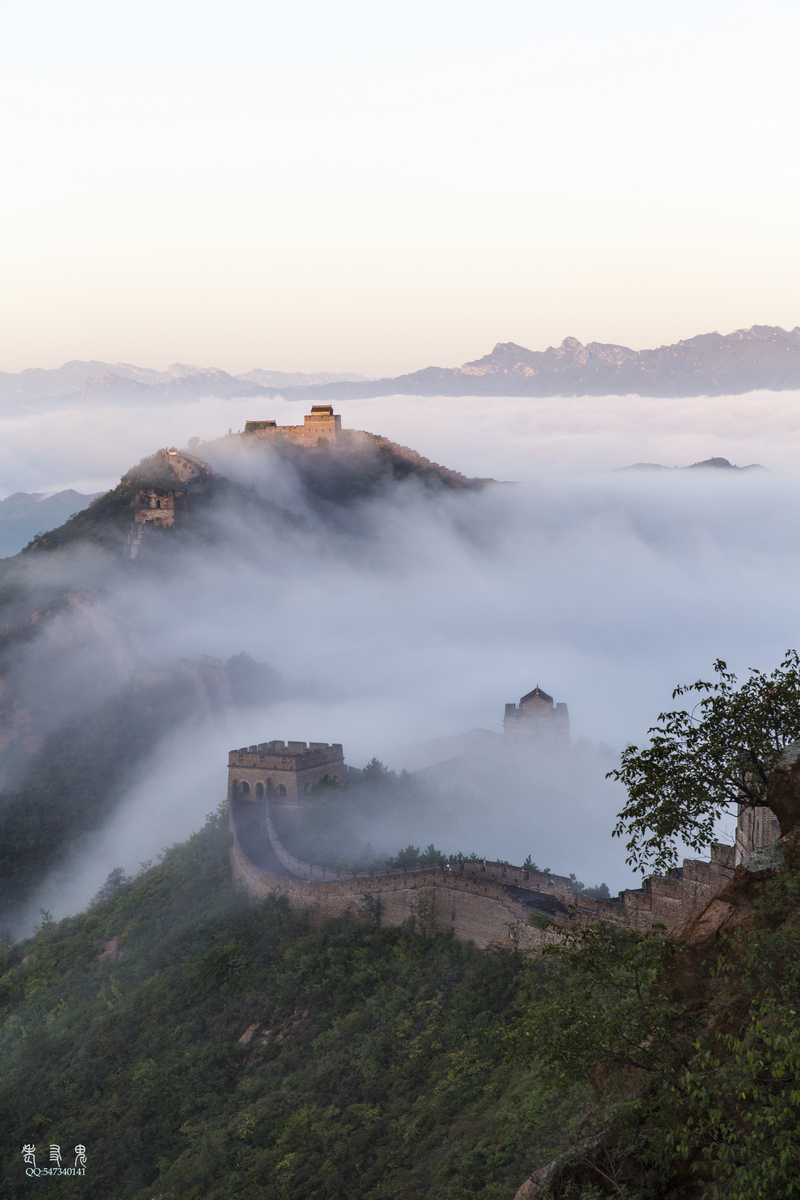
(378,186)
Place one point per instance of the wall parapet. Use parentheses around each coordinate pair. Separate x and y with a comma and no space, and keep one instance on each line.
(480,901)
(482,912)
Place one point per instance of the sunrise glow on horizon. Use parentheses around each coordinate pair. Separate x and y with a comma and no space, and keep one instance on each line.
(373,188)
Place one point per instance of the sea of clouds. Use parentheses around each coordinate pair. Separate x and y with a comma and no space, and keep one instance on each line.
(415,617)
(521,438)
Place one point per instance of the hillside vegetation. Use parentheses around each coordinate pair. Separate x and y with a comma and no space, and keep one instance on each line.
(692,1047)
(203,1050)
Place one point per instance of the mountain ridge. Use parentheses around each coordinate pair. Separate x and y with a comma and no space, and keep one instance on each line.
(24,514)
(763,357)
(92,378)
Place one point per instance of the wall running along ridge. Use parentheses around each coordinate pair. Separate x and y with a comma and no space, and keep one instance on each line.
(486,903)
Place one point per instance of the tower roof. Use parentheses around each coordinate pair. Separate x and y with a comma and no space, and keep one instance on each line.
(537,693)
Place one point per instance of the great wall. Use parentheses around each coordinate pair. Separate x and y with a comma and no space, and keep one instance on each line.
(480,901)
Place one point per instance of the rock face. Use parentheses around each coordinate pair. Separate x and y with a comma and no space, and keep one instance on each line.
(764,356)
(783,789)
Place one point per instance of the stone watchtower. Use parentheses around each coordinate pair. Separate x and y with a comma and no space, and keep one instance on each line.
(537,718)
(183,475)
(321,423)
(282,774)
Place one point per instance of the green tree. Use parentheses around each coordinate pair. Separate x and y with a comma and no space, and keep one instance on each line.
(409,857)
(702,762)
(602,1006)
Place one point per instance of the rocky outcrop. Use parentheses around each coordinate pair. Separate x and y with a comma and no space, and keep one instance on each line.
(783,789)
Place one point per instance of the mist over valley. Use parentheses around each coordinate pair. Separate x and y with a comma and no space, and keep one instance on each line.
(388,605)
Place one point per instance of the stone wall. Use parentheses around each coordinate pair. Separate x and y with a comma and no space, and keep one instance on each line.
(667,899)
(473,911)
(321,422)
(158,506)
(481,902)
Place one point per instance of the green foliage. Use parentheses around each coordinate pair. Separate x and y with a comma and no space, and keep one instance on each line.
(239,1054)
(701,1099)
(409,857)
(600,1008)
(326,784)
(598,892)
(376,774)
(742,1107)
(412,856)
(117,878)
(431,857)
(702,762)
(738,1098)
(105,522)
(155,471)
(538,920)
(328,833)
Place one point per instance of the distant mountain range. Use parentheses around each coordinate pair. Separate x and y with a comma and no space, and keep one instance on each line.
(763,357)
(714,463)
(87,382)
(24,514)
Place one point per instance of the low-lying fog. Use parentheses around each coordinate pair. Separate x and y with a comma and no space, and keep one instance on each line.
(418,616)
(520,438)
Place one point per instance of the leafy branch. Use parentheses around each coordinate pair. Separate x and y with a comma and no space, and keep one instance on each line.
(701,762)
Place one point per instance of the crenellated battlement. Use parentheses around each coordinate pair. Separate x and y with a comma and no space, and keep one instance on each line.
(283,772)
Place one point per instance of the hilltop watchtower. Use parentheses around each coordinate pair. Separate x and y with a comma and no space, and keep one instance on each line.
(538,718)
(282,773)
(168,482)
(321,422)
(182,475)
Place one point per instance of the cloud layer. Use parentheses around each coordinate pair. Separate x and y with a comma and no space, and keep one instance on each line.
(503,437)
(409,616)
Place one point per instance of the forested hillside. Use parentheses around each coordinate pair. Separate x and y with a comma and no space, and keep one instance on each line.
(203,1050)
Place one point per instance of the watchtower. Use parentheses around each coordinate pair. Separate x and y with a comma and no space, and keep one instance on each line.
(281,773)
(538,718)
(321,422)
(160,505)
